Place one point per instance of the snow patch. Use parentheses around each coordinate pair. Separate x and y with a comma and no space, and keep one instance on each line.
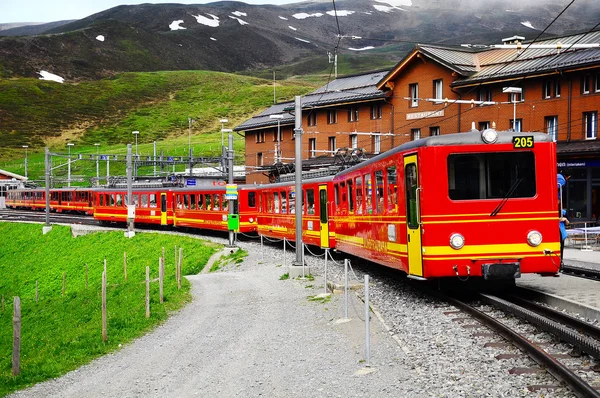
(291,27)
(213,39)
(396,3)
(284,18)
(303,15)
(305,41)
(239,14)
(100,38)
(340,13)
(175,25)
(51,76)
(362,49)
(383,8)
(528,24)
(212,22)
(241,21)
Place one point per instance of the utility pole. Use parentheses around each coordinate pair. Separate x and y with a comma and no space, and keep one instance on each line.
(299,197)
(130,205)
(47,227)
(230,181)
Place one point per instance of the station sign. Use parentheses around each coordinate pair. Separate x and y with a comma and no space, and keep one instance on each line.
(231,192)
(190,183)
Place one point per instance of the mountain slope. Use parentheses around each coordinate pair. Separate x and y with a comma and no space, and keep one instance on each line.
(234,36)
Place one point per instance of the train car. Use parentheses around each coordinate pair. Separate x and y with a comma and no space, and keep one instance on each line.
(208,208)
(152,205)
(277,211)
(474,204)
(72,200)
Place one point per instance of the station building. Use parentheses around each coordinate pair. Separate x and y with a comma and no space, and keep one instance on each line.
(553,87)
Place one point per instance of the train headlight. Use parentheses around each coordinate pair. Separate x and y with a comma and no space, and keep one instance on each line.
(457,241)
(534,238)
(489,136)
(251,220)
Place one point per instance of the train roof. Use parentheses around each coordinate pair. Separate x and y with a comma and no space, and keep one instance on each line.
(292,182)
(472,137)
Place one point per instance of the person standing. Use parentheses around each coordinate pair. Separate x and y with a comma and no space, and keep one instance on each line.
(562,224)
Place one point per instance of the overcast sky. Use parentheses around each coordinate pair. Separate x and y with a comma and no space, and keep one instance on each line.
(57,10)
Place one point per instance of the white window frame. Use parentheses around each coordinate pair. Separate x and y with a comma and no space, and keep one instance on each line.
(413,90)
(354,141)
(518,125)
(415,134)
(438,89)
(332,116)
(434,131)
(590,125)
(332,146)
(312,147)
(377,143)
(552,127)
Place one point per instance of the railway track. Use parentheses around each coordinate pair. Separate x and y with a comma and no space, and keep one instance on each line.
(35,216)
(574,369)
(581,272)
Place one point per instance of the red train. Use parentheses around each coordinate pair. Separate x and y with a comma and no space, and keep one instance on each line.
(463,205)
(475,204)
(74,200)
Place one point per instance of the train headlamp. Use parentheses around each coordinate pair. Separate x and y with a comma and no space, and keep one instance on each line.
(534,238)
(489,136)
(457,241)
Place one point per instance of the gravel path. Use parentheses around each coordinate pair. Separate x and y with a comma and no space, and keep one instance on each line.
(248,333)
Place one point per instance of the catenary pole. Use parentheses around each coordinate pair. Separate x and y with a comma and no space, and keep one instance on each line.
(298,177)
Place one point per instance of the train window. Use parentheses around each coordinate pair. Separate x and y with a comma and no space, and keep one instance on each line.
(379,197)
(193,201)
(136,200)
(119,199)
(392,189)
(208,201)
(292,203)
(491,175)
(144,200)
(152,200)
(368,194)
(336,194)
(310,201)
(112,200)
(283,202)
(268,202)
(101,200)
(359,195)
(216,204)
(323,218)
(350,196)
(225,203)
(276,201)
(251,199)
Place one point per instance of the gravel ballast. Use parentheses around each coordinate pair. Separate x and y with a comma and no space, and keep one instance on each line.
(248,333)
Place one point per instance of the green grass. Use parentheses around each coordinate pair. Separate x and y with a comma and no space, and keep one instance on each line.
(157,104)
(237,257)
(60,333)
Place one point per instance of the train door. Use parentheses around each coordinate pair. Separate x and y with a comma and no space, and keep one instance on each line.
(163,208)
(323,216)
(413,216)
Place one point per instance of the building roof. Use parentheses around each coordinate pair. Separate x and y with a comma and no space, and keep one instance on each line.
(13,175)
(264,119)
(476,65)
(588,147)
(346,89)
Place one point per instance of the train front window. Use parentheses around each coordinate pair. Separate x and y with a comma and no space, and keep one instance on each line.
(491,175)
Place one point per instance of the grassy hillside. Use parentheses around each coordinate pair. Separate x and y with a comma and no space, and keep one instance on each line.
(60,333)
(157,104)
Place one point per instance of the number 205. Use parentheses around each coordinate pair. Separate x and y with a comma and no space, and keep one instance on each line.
(523,142)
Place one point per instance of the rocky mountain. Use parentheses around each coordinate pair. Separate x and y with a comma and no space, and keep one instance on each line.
(234,36)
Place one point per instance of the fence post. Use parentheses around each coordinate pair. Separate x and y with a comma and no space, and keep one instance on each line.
(64,287)
(104,329)
(346,288)
(105,268)
(161,275)
(367,323)
(16,351)
(125,265)
(175,256)
(180,267)
(36,292)
(147,291)
(326,254)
